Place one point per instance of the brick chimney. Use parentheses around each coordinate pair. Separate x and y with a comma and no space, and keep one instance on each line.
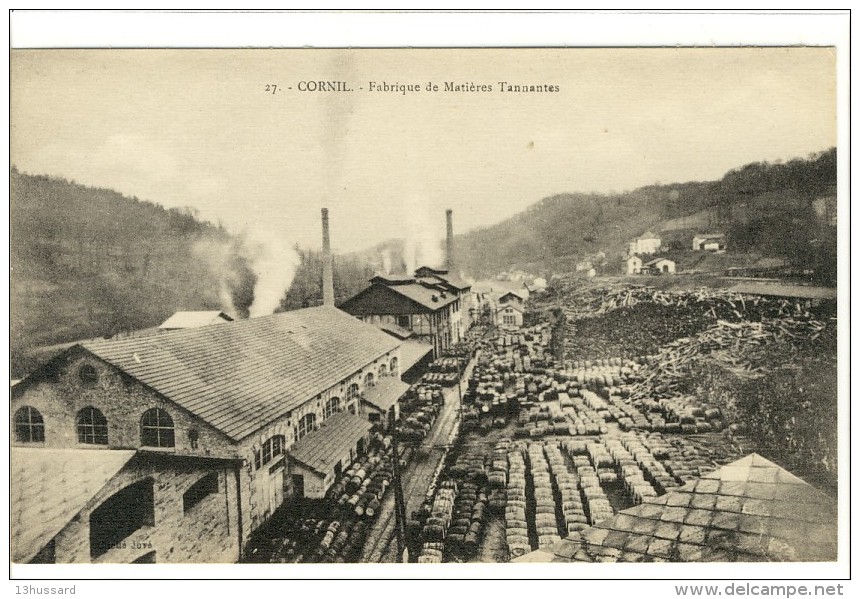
(449,241)
(328,276)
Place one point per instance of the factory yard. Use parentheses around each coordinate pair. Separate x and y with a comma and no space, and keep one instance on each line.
(610,400)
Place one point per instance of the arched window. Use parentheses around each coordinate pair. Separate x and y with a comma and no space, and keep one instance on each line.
(273,448)
(393,366)
(306,425)
(156,429)
(29,426)
(383,371)
(120,515)
(332,406)
(368,380)
(352,392)
(92,427)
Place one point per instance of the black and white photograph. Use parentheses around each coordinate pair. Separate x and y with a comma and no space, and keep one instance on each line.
(427,306)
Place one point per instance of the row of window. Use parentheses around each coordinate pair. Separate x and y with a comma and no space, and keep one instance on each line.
(156,427)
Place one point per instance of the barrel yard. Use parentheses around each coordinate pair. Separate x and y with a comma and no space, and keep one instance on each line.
(615,395)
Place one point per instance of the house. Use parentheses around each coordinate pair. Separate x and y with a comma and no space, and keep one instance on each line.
(634,265)
(515,297)
(711,242)
(509,315)
(659,266)
(648,243)
(746,511)
(187,320)
(453,284)
(175,447)
(430,309)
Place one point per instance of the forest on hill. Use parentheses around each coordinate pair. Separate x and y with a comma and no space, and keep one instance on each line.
(89,262)
(762,207)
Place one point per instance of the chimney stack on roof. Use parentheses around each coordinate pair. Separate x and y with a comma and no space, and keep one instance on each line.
(449,242)
(328,276)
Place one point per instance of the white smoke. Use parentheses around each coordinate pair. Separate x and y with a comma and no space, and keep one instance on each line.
(423,244)
(219,258)
(275,264)
(386,262)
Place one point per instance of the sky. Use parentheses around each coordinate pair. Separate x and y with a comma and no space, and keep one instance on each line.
(198,128)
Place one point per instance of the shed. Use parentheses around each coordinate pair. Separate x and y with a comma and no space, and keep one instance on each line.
(318,458)
(382,401)
(660,266)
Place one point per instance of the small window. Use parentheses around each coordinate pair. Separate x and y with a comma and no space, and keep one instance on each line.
(332,407)
(403,321)
(92,427)
(156,429)
(88,374)
(208,485)
(193,438)
(383,371)
(29,426)
(393,366)
(272,449)
(368,380)
(352,392)
(257,461)
(306,425)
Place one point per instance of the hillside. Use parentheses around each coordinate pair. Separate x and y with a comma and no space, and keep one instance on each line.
(90,262)
(765,209)
(87,262)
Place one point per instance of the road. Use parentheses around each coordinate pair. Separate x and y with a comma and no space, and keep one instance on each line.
(381,544)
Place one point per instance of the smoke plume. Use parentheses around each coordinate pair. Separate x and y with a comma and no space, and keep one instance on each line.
(254,272)
(424,235)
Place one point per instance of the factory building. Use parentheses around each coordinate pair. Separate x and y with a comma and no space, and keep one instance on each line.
(167,420)
(433,304)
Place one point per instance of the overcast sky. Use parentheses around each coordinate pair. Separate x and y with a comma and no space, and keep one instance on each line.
(197,128)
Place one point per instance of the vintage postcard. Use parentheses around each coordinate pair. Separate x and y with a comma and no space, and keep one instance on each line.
(540,307)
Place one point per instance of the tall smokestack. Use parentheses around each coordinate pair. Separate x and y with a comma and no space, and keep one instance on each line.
(328,277)
(449,242)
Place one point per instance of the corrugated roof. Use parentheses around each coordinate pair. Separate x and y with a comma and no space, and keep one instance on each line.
(48,487)
(749,510)
(335,437)
(385,393)
(187,320)
(241,375)
(411,351)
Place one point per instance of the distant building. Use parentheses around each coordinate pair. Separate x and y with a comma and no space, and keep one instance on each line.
(190,320)
(825,209)
(430,308)
(660,266)
(634,265)
(509,315)
(648,243)
(710,242)
(176,447)
(517,298)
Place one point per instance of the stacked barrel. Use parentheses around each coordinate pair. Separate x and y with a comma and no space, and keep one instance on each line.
(436,525)
(516,529)
(546,523)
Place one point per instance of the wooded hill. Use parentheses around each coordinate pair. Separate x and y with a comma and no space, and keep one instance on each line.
(763,208)
(89,262)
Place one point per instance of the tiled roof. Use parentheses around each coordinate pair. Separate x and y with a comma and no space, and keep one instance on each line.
(385,393)
(186,320)
(749,510)
(411,351)
(241,375)
(48,487)
(453,281)
(661,259)
(516,307)
(392,279)
(335,437)
(424,295)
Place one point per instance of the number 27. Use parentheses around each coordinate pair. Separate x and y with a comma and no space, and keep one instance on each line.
(271,87)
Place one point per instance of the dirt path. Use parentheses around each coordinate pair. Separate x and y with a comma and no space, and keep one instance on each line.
(381,545)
